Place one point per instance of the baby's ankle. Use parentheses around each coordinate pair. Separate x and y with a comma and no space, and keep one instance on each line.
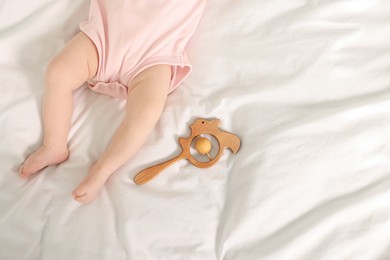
(102,169)
(55,146)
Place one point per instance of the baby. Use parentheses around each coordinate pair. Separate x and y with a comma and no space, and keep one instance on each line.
(133,49)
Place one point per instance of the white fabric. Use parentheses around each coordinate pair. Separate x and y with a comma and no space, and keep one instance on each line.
(305,84)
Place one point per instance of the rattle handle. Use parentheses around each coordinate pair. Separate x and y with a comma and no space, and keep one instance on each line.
(147,174)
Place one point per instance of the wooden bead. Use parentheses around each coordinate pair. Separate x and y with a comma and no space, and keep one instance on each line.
(203,145)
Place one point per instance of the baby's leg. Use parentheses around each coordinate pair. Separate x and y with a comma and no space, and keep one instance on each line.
(75,64)
(145,102)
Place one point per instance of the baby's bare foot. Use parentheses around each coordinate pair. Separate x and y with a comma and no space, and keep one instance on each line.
(91,185)
(41,158)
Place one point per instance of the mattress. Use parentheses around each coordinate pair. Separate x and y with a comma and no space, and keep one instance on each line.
(304,84)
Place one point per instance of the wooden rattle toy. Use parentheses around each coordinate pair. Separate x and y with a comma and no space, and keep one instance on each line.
(202,146)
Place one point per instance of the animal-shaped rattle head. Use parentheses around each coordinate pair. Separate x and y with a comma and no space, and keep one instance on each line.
(210,127)
(203,146)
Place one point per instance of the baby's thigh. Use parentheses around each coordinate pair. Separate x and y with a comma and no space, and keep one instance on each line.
(159,75)
(149,90)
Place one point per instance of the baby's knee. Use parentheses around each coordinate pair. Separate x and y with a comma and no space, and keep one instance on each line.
(54,71)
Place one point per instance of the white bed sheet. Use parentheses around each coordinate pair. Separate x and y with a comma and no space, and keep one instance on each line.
(305,84)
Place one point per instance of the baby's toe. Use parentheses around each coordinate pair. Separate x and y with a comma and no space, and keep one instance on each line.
(80,197)
(21,169)
(78,192)
(23,172)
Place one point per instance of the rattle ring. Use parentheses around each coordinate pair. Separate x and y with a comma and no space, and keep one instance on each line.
(202,146)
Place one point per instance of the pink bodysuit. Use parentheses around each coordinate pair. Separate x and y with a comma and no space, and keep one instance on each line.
(132,35)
